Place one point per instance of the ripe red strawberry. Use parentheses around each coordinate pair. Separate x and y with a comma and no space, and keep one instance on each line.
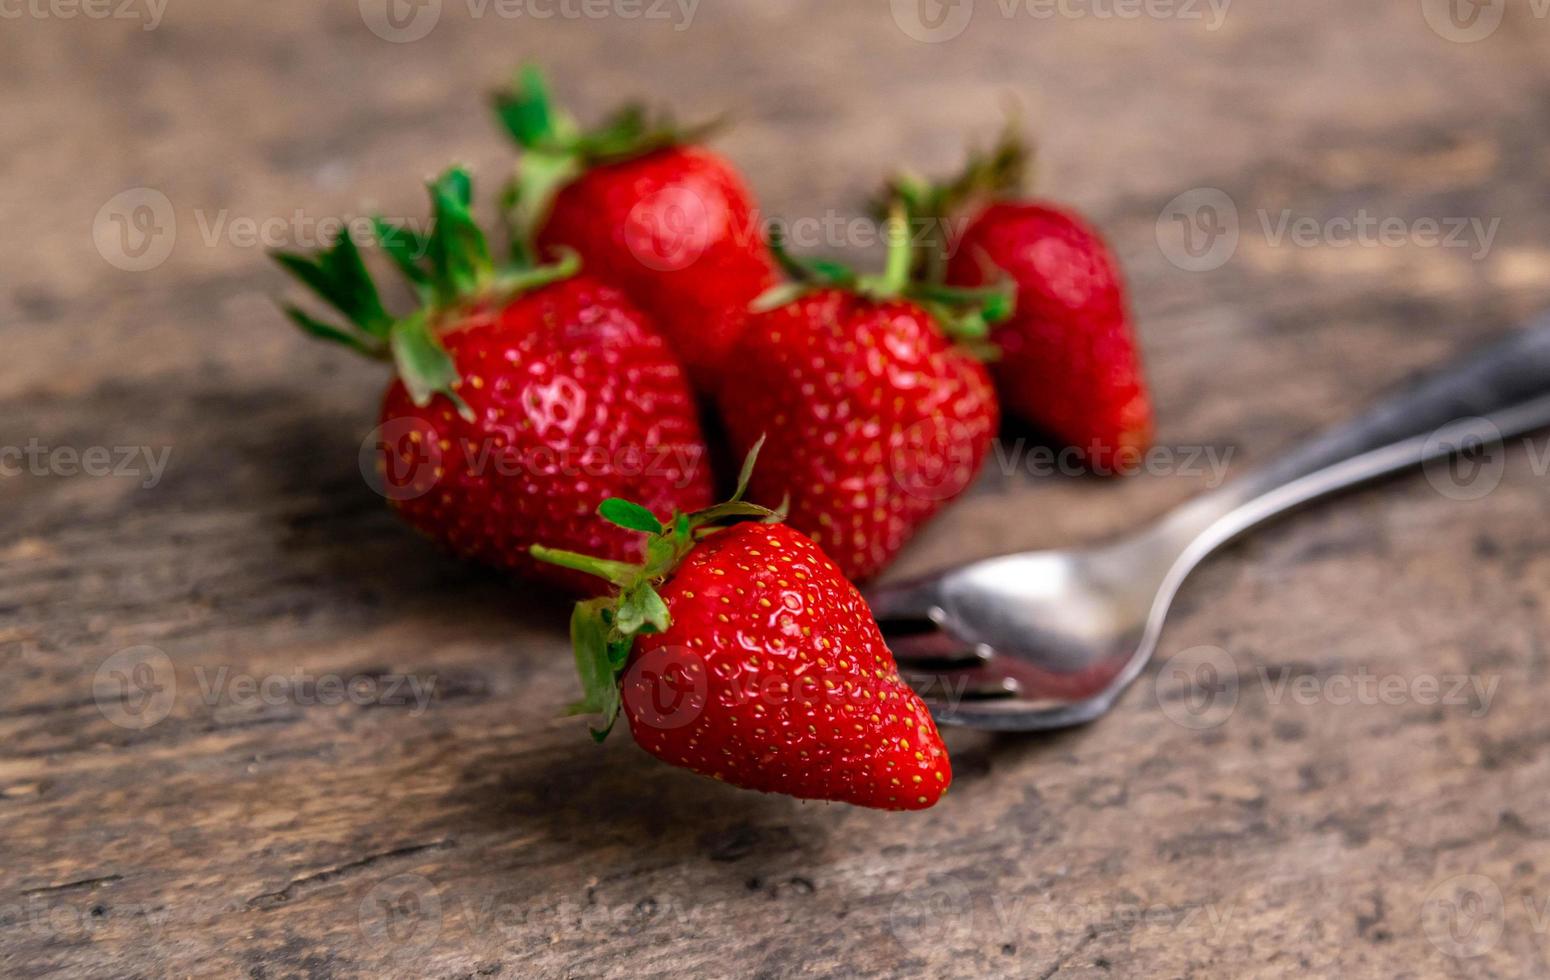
(742,653)
(525,395)
(666,220)
(874,417)
(1068,359)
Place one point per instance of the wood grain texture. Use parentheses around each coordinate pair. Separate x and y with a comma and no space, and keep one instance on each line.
(475,834)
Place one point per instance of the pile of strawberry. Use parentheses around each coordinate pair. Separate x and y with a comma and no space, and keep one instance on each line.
(546,418)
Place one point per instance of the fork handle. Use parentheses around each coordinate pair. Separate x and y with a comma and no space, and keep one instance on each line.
(1471,406)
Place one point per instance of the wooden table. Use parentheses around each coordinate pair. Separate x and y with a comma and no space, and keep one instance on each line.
(235,818)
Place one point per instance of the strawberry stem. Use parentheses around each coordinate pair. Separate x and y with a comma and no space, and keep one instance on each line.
(618,572)
(449,268)
(962,314)
(556,150)
(604,630)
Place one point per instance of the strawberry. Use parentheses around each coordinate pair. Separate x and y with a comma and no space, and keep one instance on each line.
(525,394)
(875,417)
(1068,359)
(649,210)
(741,652)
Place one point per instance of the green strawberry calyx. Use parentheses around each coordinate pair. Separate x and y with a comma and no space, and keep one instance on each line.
(1000,172)
(603,630)
(965,315)
(556,150)
(449,269)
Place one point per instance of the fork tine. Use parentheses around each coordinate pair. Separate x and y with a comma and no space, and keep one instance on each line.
(934,649)
(950,688)
(912,602)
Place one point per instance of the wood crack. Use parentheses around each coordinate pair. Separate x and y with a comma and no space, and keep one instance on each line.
(73,885)
(270,900)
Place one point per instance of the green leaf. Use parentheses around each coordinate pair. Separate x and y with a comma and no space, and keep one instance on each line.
(458,252)
(594,665)
(526,109)
(407,248)
(629,515)
(340,278)
(530,194)
(1000,304)
(619,653)
(639,608)
(329,332)
(423,364)
(618,572)
(523,280)
(830,273)
(778,295)
(734,509)
(746,474)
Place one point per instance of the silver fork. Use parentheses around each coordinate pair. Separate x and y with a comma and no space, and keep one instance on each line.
(1047,639)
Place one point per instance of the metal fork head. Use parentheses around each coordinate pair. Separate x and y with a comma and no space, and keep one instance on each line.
(1038,640)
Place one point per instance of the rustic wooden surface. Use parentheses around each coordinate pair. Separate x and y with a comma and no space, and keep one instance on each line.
(479,835)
